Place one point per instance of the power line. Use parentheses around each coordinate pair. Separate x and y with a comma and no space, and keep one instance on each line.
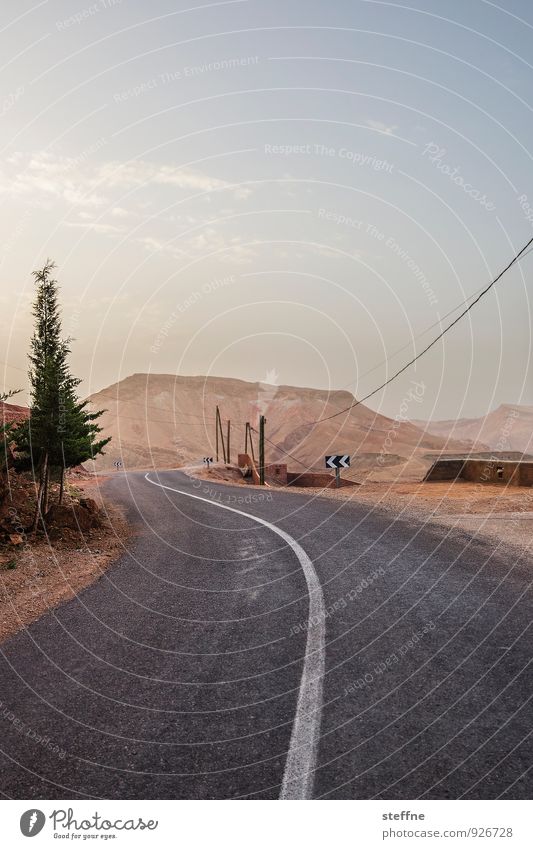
(432,343)
(483,291)
(120,416)
(279,448)
(523,252)
(418,336)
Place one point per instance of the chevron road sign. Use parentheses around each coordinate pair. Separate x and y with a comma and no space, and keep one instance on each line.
(338,461)
(117,464)
(208,461)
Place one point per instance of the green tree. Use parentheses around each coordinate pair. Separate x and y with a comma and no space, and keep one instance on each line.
(60,432)
(78,431)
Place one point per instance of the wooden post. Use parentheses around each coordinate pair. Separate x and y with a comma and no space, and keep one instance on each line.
(262,421)
(219,428)
(251,442)
(216,432)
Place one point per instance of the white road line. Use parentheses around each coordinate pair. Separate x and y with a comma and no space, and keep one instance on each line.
(298,776)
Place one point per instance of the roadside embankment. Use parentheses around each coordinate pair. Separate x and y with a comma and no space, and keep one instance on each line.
(39,571)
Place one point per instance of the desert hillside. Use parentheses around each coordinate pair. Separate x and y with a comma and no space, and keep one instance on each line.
(12,413)
(166,421)
(508,428)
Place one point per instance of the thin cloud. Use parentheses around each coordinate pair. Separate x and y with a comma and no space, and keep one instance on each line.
(386,129)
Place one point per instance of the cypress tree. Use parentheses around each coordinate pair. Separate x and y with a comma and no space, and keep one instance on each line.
(60,432)
(46,373)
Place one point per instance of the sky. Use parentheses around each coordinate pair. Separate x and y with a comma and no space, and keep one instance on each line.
(296,192)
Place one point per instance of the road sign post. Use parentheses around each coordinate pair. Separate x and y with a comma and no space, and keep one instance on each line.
(208,461)
(338,462)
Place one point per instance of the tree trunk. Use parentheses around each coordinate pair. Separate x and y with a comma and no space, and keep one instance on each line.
(46,491)
(61,484)
(40,491)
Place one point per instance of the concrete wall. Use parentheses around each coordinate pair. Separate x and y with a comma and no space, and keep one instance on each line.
(525,474)
(508,472)
(277,472)
(445,470)
(245,460)
(486,471)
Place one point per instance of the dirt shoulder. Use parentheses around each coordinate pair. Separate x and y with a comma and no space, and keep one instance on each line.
(40,573)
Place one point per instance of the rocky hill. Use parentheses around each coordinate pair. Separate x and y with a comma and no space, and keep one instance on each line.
(508,428)
(12,413)
(166,421)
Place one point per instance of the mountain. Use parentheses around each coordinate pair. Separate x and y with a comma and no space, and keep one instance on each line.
(164,421)
(508,428)
(12,413)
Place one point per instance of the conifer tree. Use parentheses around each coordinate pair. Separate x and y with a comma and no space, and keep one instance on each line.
(60,432)
(77,431)
(46,374)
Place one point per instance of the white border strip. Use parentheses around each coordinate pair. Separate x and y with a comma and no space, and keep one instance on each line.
(299,770)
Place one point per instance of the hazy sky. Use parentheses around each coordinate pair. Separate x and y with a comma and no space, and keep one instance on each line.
(250,188)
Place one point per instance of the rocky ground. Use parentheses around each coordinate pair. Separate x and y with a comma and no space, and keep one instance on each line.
(39,571)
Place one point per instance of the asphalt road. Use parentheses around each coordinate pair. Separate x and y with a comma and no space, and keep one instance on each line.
(191,669)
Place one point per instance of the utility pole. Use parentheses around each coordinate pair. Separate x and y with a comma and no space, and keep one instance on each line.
(249,439)
(262,421)
(216,433)
(221,432)
(229,433)
(251,442)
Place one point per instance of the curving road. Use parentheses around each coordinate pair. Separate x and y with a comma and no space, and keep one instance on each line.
(288,646)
